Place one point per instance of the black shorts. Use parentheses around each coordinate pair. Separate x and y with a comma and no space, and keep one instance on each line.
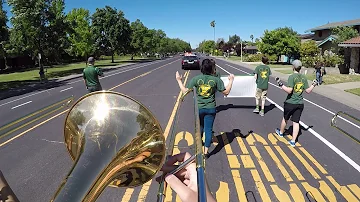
(294,111)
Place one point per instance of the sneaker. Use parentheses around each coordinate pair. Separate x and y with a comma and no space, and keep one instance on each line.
(256,110)
(262,113)
(278,133)
(292,143)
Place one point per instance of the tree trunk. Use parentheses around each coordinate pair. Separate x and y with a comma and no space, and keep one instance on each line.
(112,57)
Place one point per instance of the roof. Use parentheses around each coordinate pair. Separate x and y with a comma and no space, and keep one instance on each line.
(306,36)
(354,42)
(329,38)
(336,24)
(250,48)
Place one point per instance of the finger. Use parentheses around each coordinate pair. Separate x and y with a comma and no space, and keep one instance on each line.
(186,182)
(180,188)
(178,158)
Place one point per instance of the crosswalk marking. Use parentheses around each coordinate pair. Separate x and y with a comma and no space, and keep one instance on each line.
(280,194)
(247,161)
(263,165)
(260,185)
(312,192)
(342,189)
(127,195)
(355,189)
(312,159)
(295,193)
(279,164)
(326,190)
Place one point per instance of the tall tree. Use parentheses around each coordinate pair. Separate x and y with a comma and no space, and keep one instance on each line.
(80,36)
(281,41)
(111,31)
(56,30)
(4,31)
(252,38)
(139,31)
(29,22)
(234,39)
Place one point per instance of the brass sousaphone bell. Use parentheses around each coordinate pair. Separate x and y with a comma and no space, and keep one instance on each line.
(113,139)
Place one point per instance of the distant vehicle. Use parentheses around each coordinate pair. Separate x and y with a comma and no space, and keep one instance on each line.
(190,62)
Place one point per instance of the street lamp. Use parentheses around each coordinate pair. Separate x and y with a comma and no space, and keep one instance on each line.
(212,24)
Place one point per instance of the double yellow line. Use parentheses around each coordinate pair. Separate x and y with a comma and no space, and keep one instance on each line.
(57,115)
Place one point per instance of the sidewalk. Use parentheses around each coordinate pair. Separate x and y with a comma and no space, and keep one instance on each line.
(334,91)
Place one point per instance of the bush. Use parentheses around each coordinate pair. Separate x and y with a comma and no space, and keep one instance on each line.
(332,59)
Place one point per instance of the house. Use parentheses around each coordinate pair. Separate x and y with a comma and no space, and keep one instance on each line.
(250,50)
(354,45)
(324,36)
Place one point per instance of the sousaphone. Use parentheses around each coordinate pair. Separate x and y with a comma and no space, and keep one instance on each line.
(113,139)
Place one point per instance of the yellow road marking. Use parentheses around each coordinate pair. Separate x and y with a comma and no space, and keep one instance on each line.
(260,186)
(32,121)
(263,165)
(247,161)
(178,137)
(342,189)
(326,190)
(279,164)
(227,146)
(168,190)
(239,185)
(37,125)
(242,146)
(289,163)
(272,139)
(312,159)
(223,192)
(260,139)
(295,193)
(33,114)
(280,194)
(142,75)
(143,192)
(233,161)
(305,163)
(312,192)
(189,138)
(250,140)
(355,189)
(127,195)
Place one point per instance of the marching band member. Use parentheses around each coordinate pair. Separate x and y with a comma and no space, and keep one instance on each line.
(261,74)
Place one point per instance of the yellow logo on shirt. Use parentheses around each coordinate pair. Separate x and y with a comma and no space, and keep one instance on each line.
(263,74)
(205,89)
(298,88)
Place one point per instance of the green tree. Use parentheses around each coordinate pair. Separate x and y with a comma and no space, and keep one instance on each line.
(56,30)
(28,34)
(138,34)
(309,48)
(281,41)
(4,31)
(252,38)
(344,33)
(80,36)
(207,46)
(111,31)
(235,39)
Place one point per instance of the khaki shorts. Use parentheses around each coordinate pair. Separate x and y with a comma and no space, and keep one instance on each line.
(260,93)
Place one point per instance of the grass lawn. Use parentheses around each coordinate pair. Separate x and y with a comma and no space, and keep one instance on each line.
(355,91)
(29,76)
(285,71)
(280,66)
(336,78)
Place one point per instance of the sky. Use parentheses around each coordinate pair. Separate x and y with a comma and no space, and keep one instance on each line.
(190,20)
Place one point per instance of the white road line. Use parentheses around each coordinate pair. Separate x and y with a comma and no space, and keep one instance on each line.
(76,82)
(25,97)
(21,105)
(66,89)
(332,113)
(321,138)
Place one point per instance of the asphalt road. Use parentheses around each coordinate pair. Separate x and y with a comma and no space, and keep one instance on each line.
(257,167)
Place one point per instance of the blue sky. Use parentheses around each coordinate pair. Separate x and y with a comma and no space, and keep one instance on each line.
(190,20)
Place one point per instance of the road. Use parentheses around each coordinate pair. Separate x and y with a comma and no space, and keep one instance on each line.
(242,167)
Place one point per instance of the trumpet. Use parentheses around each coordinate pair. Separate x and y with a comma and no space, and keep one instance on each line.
(113,140)
(333,124)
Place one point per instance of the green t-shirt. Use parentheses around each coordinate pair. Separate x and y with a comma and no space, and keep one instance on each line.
(298,83)
(217,74)
(91,75)
(206,86)
(263,72)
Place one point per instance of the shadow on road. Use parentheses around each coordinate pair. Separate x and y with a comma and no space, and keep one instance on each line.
(225,139)
(290,130)
(231,106)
